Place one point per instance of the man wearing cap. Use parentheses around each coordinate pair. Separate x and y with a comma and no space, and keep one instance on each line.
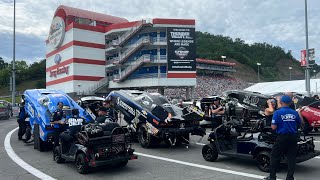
(110,110)
(285,122)
(103,115)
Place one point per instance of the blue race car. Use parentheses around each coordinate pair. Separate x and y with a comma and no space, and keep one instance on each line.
(153,119)
(40,104)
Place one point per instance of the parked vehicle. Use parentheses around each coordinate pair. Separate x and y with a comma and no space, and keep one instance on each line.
(90,104)
(40,104)
(256,143)
(98,145)
(5,109)
(153,119)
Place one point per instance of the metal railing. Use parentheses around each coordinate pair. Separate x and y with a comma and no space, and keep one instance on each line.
(98,85)
(133,66)
(134,47)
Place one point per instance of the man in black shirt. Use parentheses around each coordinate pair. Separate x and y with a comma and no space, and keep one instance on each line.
(22,121)
(57,119)
(74,123)
(110,110)
(216,113)
(103,115)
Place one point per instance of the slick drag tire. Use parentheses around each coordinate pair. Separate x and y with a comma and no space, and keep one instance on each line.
(123,163)
(210,152)
(36,136)
(82,164)
(38,143)
(263,161)
(146,140)
(57,155)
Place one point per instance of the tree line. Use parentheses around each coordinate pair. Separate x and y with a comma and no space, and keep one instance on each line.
(24,72)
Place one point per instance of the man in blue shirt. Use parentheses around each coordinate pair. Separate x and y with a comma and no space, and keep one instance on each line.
(285,122)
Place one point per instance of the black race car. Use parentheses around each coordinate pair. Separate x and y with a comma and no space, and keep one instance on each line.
(153,119)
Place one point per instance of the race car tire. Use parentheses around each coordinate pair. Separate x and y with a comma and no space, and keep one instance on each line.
(57,155)
(263,161)
(82,164)
(146,140)
(123,163)
(210,152)
(38,143)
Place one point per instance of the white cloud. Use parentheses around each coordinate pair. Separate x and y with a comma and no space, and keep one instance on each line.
(273,21)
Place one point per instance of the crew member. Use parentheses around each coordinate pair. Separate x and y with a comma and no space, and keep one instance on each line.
(316,97)
(110,110)
(268,112)
(103,115)
(74,123)
(285,122)
(57,120)
(194,104)
(292,105)
(22,121)
(216,112)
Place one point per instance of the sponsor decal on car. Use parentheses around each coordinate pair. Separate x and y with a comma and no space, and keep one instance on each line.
(151,129)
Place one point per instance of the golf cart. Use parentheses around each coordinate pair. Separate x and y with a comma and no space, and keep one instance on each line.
(97,145)
(256,143)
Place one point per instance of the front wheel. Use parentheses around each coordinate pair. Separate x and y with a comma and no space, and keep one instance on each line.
(263,161)
(210,152)
(57,155)
(146,140)
(123,163)
(82,164)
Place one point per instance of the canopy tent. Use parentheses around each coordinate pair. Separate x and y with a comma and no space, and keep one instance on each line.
(286,86)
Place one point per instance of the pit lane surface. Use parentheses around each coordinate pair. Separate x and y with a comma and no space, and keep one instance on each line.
(144,167)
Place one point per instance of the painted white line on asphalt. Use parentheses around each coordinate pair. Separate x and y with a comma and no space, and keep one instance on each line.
(316,141)
(20,162)
(201,166)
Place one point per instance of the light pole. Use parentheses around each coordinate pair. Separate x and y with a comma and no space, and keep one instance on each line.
(307,49)
(290,68)
(223,58)
(258,64)
(14,56)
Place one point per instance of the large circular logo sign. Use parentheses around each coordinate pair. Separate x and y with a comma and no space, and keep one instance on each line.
(57,31)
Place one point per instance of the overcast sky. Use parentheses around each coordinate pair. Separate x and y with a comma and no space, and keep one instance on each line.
(278,22)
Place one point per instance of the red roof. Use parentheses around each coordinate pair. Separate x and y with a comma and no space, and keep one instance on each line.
(64,11)
(208,61)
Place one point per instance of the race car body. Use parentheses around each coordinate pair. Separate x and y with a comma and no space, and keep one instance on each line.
(40,104)
(311,116)
(91,104)
(154,119)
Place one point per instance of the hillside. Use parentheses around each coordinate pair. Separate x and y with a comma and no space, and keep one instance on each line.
(275,61)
